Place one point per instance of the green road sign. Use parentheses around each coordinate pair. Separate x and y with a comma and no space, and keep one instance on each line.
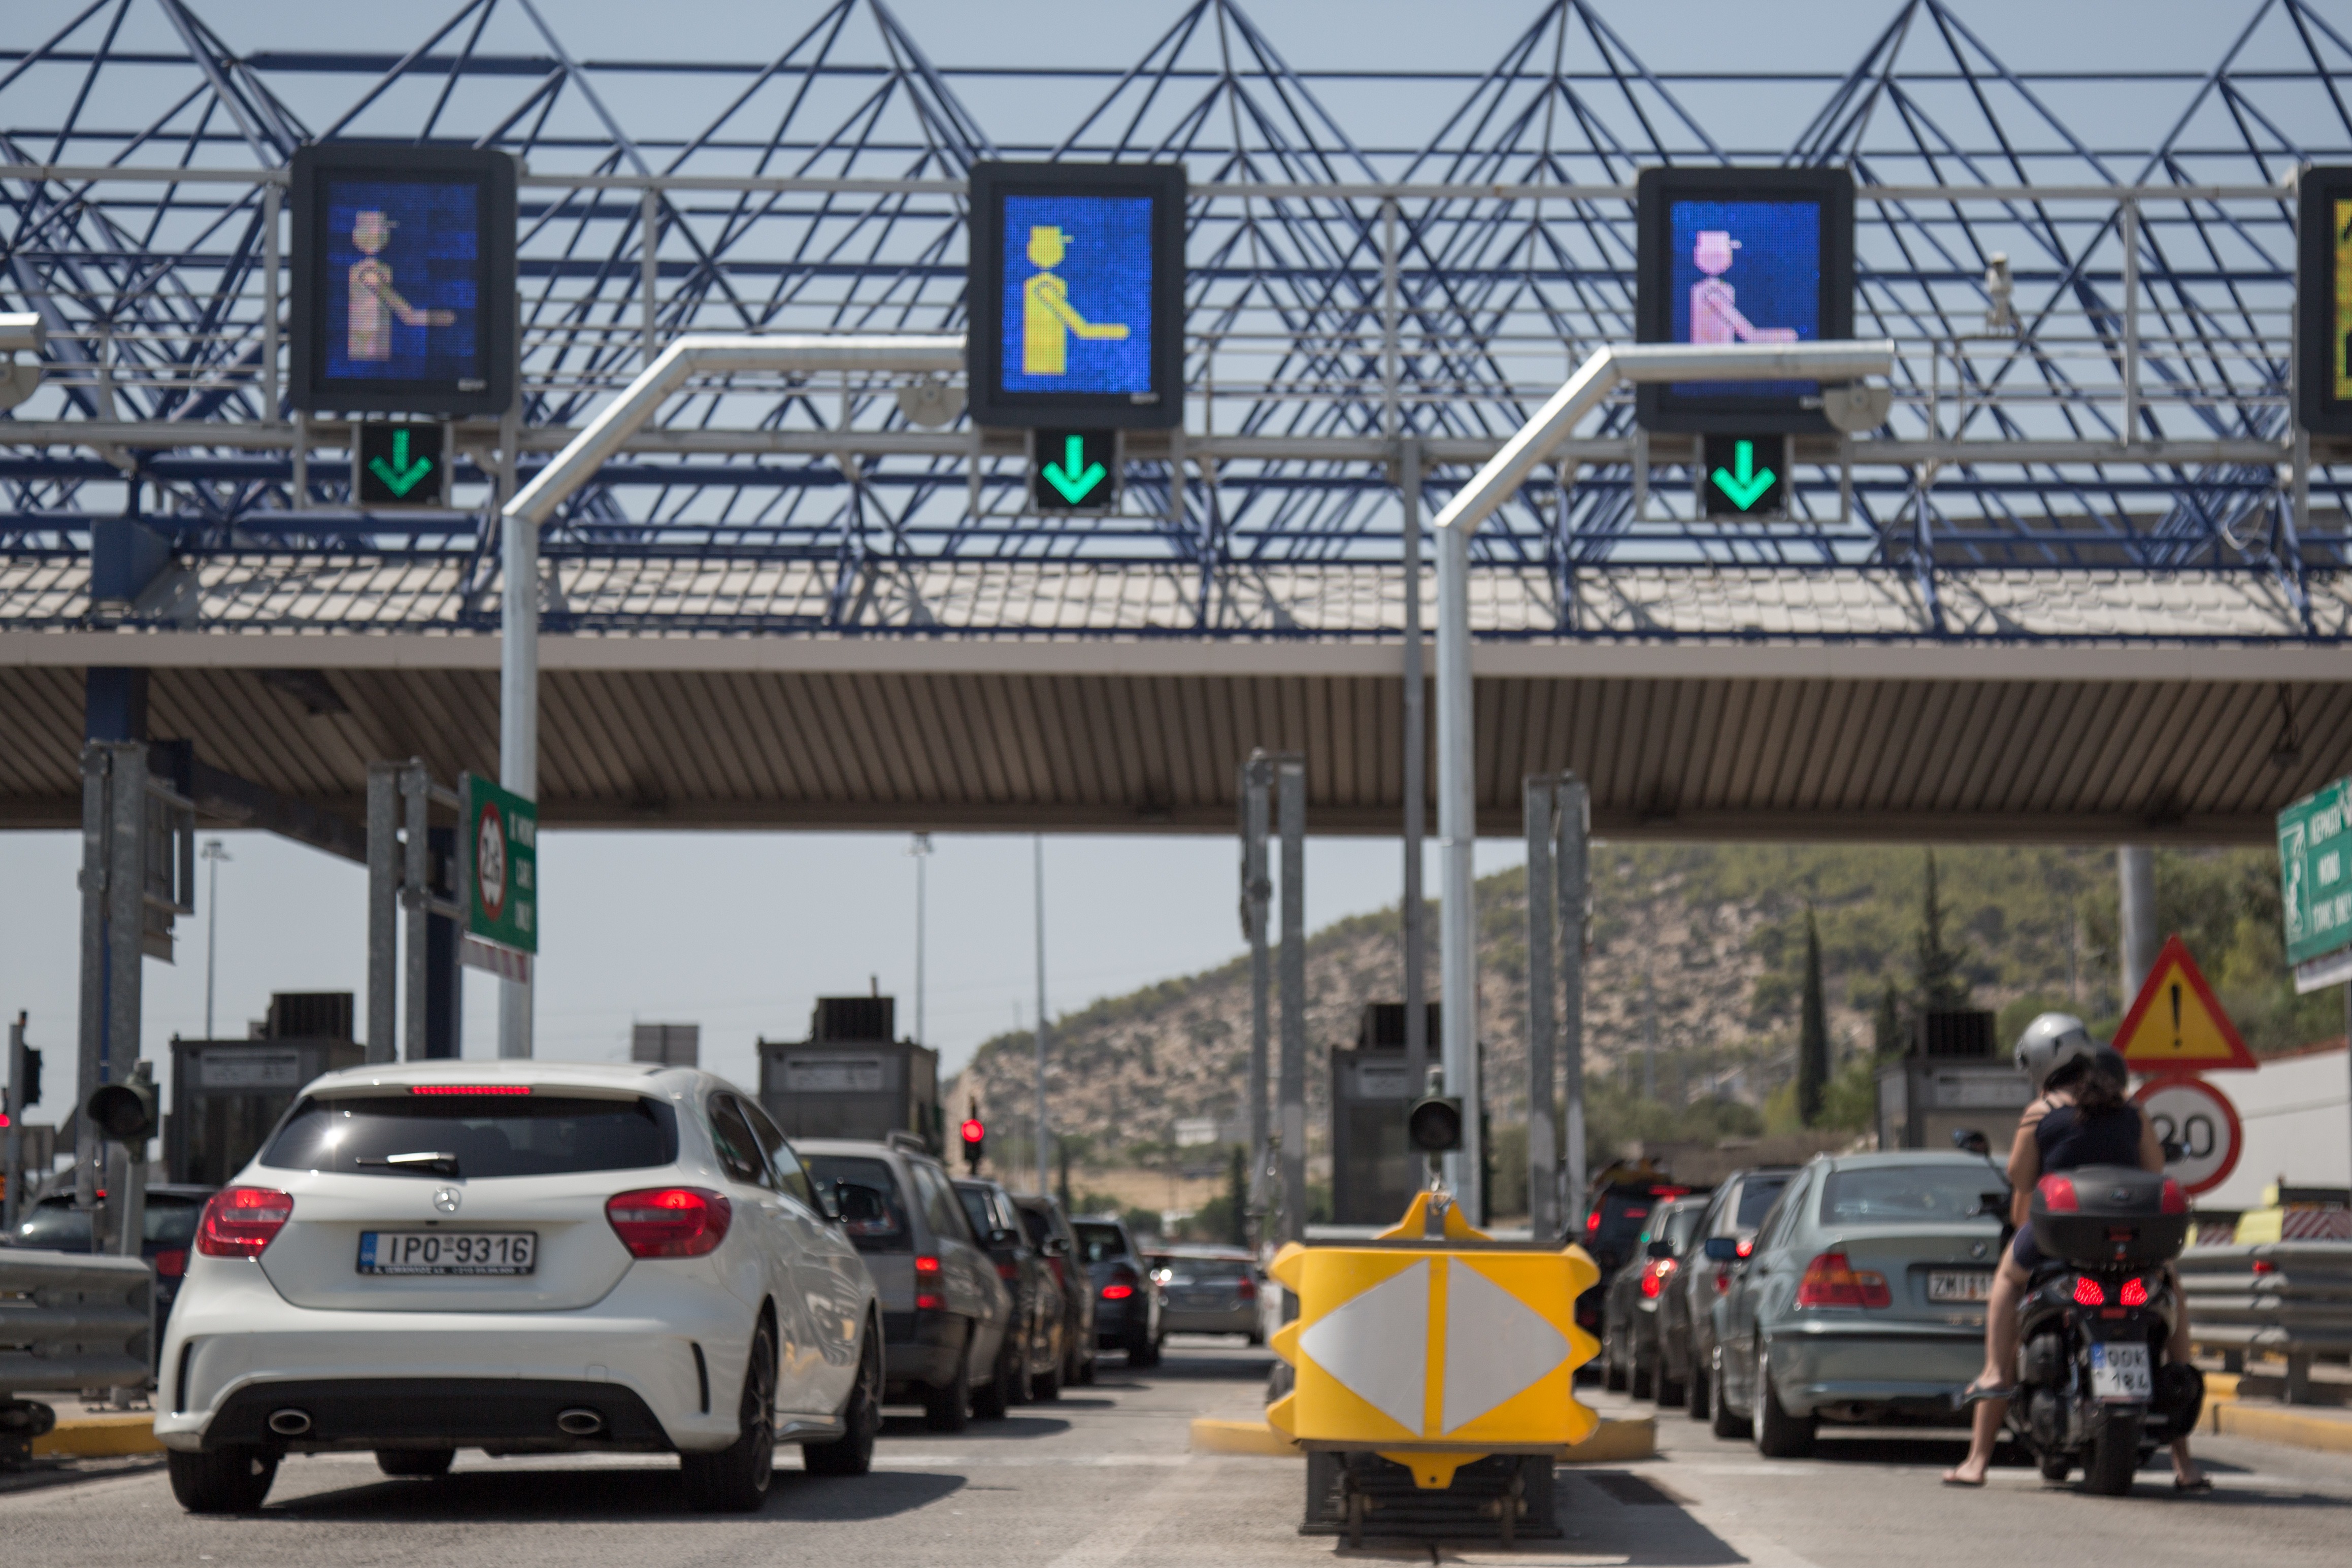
(1073,470)
(398,463)
(501,849)
(2315,839)
(1742,475)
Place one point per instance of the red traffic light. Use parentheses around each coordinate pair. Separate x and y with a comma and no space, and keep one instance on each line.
(973,1131)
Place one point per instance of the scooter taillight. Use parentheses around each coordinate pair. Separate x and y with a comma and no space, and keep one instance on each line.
(2134,1293)
(2089,1292)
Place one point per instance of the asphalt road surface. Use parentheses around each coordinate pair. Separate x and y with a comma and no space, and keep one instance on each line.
(1103,1477)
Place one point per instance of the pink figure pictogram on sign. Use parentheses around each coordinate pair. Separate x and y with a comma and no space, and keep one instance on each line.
(1713,315)
(373,299)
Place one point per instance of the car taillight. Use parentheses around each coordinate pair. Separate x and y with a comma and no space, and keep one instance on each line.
(1593,1220)
(1117,1293)
(1654,1275)
(1832,1281)
(2088,1292)
(172,1264)
(2175,1200)
(1722,1281)
(239,1221)
(2135,1293)
(2057,1194)
(1008,1270)
(1746,1246)
(470,1089)
(1246,1290)
(927,1274)
(669,1221)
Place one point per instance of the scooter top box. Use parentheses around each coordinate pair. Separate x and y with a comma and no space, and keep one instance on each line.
(2105,1216)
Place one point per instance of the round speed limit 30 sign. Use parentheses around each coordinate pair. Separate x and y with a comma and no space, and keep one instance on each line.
(2199,1118)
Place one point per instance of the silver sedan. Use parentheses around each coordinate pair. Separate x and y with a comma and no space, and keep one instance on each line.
(1864,1300)
(1210,1289)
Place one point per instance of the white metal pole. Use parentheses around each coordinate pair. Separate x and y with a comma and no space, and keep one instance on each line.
(922,851)
(215,853)
(1457,830)
(518,694)
(1038,861)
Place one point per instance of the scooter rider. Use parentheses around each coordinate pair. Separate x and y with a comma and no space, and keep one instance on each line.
(2078,1117)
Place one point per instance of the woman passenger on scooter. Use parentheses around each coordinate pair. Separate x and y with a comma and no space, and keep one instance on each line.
(2078,1117)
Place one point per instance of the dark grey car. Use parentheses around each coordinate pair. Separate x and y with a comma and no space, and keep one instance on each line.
(1686,1321)
(1638,1293)
(1050,1233)
(1211,1290)
(945,1313)
(1031,1361)
(1127,1297)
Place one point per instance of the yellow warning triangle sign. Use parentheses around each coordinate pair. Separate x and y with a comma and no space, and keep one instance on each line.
(2176,1023)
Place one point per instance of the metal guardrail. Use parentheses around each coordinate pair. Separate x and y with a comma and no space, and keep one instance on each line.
(2290,1297)
(69,1320)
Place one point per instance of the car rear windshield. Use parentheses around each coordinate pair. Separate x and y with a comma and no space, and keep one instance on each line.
(1756,1195)
(1887,1194)
(1206,1270)
(1040,1228)
(872,1211)
(1680,1225)
(1099,1243)
(1623,1213)
(475,1136)
(54,1228)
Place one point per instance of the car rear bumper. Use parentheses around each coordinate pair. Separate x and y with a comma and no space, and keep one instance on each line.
(920,1349)
(504,1415)
(235,1343)
(1116,1321)
(1240,1318)
(1824,1369)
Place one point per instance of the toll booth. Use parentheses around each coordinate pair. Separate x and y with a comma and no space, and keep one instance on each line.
(851,1078)
(226,1094)
(1374,1173)
(1952,1077)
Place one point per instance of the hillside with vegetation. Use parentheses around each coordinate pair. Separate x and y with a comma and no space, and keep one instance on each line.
(1696,992)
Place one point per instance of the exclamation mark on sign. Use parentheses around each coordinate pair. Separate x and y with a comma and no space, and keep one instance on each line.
(2175,1015)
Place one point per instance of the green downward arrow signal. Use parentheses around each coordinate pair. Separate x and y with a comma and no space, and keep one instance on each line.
(1747,487)
(400,475)
(1073,475)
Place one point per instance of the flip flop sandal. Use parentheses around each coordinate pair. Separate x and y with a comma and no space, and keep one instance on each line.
(1953,1480)
(2187,1488)
(1976,1392)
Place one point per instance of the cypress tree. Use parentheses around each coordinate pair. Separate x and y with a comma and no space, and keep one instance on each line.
(1812,1031)
(1238,1197)
(1941,971)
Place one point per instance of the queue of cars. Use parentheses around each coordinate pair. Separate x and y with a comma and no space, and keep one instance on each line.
(536,1257)
(1850,1289)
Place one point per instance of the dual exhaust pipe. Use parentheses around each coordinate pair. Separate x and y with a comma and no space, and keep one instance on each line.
(576,1422)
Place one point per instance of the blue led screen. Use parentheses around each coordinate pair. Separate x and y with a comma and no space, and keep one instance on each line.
(1076,303)
(1745,272)
(402,284)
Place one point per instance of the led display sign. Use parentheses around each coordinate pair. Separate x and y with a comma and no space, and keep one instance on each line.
(1742,256)
(403,279)
(1077,295)
(2324,301)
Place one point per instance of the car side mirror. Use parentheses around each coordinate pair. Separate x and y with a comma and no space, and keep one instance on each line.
(1723,1248)
(828,1205)
(1002,1238)
(1967,1140)
(1660,1250)
(1056,1246)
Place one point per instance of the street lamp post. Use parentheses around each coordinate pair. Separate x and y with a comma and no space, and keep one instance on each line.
(214,851)
(921,849)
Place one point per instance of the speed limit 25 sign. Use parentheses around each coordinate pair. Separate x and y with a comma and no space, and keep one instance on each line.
(2199,1118)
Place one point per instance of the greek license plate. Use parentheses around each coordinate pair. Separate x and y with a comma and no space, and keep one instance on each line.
(447,1251)
(1959,1285)
(2120,1372)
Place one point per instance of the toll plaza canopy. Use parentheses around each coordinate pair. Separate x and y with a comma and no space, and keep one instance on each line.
(2082,577)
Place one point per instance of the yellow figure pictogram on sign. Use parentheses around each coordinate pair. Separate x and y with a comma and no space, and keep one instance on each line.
(2176,1024)
(1047,317)
(1434,1351)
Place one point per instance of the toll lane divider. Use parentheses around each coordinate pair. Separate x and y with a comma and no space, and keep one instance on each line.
(100,1436)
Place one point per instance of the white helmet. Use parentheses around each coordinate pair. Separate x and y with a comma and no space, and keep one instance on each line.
(2051,1042)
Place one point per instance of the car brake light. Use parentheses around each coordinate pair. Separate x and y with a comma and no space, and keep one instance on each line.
(2135,1293)
(2088,1292)
(240,1221)
(1593,1220)
(927,1272)
(2057,1195)
(2175,1200)
(1246,1290)
(1117,1293)
(470,1089)
(1722,1281)
(1654,1275)
(172,1264)
(669,1221)
(1832,1281)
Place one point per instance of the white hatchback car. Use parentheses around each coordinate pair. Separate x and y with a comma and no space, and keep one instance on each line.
(522,1257)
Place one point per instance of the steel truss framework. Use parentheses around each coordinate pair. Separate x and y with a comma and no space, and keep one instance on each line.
(2116,463)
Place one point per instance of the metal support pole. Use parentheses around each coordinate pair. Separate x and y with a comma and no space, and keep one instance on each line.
(649,273)
(1543,1189)
(415,903)
(126,910)
(1257,892)
(270,199)
(1571,869)
(1290,776)
(1416,781)
(2131,319)
(2136,887)
(518,695)
(301,459)
(1457,829)
(1038,856)
(922,851)
(383,912)
(130,1240)
(12,1160)
(90,1036)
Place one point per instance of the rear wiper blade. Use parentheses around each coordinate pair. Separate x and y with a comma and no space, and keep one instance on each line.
(422,1160)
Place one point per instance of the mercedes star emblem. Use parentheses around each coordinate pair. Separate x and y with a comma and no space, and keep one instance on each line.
(447,1198)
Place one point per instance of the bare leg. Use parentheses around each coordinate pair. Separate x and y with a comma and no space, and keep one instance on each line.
(2000,1370)
(2177,1348)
